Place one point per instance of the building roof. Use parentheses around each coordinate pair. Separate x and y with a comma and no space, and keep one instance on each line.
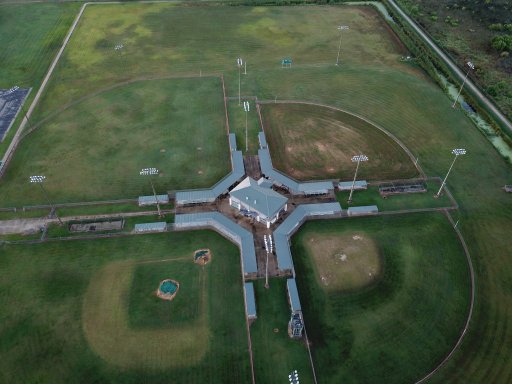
(151,199)
(260,199)
(230,229)
(283,233)
(150,227)
(263,140)
(250,300)
(232,142)
(357,185)
(363,209)
(293,294)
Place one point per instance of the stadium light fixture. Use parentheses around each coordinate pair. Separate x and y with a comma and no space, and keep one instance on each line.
(151,172)
(246,109)
(293,377)
(356,159)
(341,28)
(239,63)
(457,152)
(12,90)
(471,67)
(38,179)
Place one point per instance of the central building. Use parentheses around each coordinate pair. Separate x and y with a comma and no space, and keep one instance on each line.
(257,199)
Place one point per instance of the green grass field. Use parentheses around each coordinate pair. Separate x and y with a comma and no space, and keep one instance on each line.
(397,328)
(96,148)
(26,53)
(87,310)
(308,142)
(167,40)
(275,354)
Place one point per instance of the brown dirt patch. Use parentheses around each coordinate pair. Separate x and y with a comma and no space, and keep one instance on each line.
(345,261)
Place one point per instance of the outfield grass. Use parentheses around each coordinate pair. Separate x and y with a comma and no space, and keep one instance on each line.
(275,354)
(308,142)
(95,149)
(66,304)
(398,328)
(31,35)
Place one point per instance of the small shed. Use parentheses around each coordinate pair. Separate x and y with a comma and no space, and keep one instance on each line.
(347,185)
(160,226)
(250,301)
(293,295)
(152,200)
(363,210)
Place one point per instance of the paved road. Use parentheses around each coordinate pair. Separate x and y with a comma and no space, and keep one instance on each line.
(448,61)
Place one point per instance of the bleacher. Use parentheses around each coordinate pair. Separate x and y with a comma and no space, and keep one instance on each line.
(402,188)
(11,101)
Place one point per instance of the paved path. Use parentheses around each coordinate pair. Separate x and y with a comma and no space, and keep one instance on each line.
(448,61)
(28,226)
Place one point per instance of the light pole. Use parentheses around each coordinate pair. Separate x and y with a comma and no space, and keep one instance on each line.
(471,66)
(150,172)
(239,63)
(457,152)
(38,179)
(246,109)
(341,28)
(356,159)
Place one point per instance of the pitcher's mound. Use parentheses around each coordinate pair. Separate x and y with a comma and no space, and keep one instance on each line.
(202,256)
(168,289)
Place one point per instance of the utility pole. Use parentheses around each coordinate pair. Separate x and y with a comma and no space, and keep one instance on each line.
(356,159)
(38,179)
(150,172)
(457,152)
(470,67)
(341,28)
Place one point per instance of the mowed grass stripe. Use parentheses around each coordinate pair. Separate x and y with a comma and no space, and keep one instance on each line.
(95,149)
(42,293)
(399,327)
(308,141)
(106,326)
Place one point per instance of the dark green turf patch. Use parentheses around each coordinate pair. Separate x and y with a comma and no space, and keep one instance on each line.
(148,310)
(397,329)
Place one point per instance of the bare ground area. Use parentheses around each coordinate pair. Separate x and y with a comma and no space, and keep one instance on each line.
(345,261)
